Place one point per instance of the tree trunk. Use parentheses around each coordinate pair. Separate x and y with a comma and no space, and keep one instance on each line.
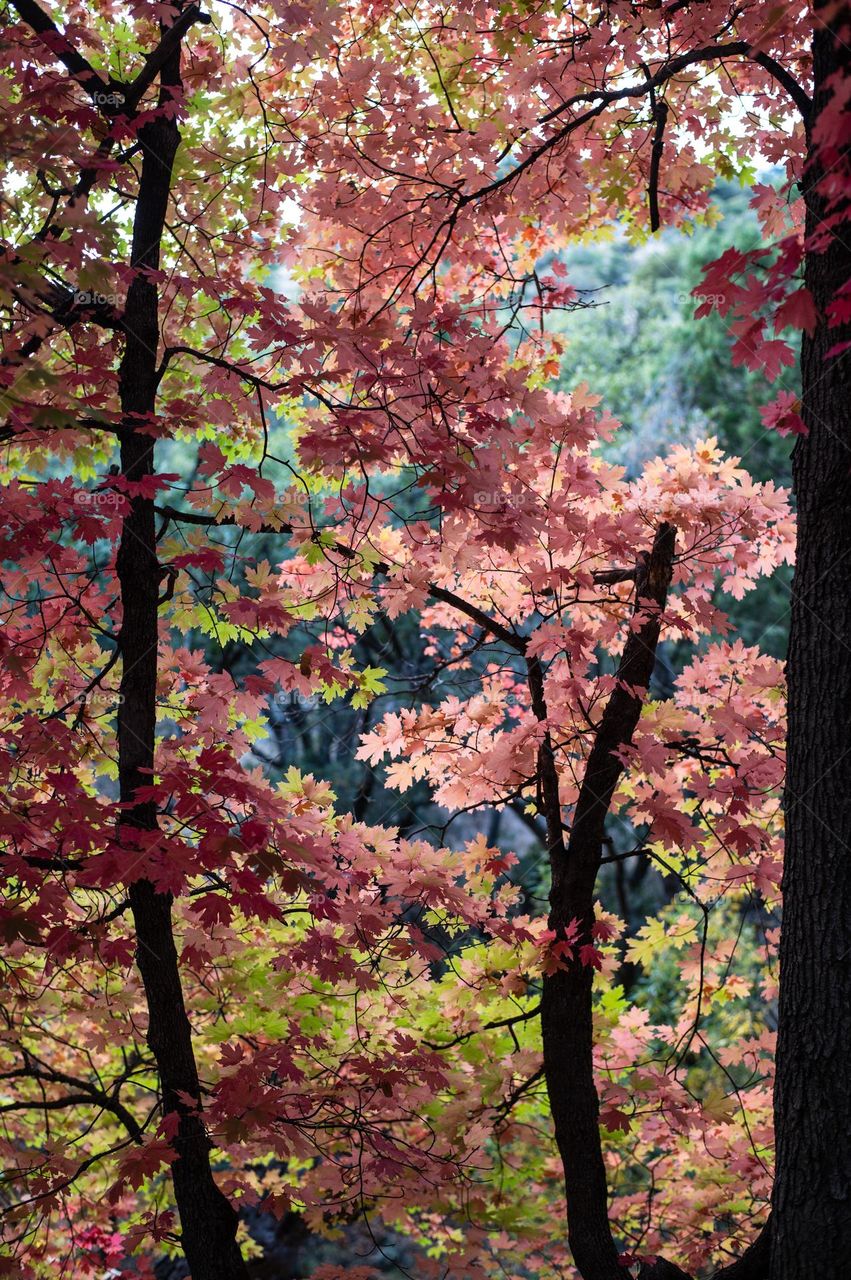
(208,1222)
(812,1193)
(566,1005)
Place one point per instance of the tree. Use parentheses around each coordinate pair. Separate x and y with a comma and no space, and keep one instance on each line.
(483,183)
(812,1189)
(423,465)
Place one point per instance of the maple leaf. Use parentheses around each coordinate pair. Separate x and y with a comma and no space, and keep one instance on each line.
(798,310)
(589,955)
(213,908)
(615,1121)
(784,414)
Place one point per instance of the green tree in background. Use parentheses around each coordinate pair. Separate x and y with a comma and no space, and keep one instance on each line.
(668,379)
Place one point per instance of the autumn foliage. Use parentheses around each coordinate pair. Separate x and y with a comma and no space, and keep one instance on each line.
(278,372)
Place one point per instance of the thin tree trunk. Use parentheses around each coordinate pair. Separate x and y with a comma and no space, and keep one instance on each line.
(566,1006)
(566,1002)
(812,1193)
(208,1222)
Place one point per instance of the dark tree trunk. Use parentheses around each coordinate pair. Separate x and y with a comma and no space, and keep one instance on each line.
(812,1194)
(208,1222)
(566,1006)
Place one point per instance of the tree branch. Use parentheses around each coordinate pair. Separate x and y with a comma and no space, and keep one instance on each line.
(603,98)
(157,59)
(472,611)
(99,90)
(88,1095)
(486,1026)
(660,112)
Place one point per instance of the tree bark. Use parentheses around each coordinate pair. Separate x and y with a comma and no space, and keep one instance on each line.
(812,1193)
(208,1221)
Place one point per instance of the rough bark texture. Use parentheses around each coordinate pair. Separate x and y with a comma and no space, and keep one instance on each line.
(208,1222)
(812,1194)
(566,1008)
